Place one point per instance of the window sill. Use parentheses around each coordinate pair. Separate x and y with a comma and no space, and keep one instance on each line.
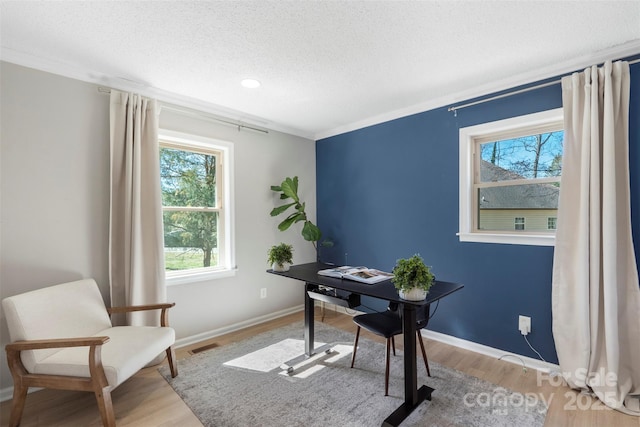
(509,239)
(173,279)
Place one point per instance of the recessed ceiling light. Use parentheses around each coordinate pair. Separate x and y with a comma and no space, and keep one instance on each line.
(250,83)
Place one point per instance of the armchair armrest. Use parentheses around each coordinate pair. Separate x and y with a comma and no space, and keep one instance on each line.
(20,375)
(56,343)
(164,314)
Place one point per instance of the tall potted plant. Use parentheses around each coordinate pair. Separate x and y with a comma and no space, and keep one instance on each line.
(280,257)
(412,278)
(288,190)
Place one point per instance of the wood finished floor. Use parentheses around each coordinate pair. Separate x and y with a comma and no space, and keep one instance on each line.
(147,400)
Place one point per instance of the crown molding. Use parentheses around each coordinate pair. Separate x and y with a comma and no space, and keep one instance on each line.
(120,83)
(622,51)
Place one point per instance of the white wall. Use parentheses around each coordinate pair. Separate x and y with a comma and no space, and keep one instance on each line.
(54,195)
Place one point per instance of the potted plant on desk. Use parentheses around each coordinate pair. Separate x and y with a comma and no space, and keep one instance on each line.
(412,278)
(280,257)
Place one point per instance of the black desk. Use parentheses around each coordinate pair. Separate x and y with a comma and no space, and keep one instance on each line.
(413,395)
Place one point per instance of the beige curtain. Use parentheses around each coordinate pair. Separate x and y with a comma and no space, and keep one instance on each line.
(595,297)
(136,258)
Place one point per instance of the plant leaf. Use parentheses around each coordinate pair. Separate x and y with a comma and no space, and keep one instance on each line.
(278,210)
(284,225)
(310,232)
(301,217)
(276,188)
(289,189)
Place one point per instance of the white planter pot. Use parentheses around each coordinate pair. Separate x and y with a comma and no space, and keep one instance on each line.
(413,294)
(280,267)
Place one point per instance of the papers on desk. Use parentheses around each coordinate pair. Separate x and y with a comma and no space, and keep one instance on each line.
(359,274)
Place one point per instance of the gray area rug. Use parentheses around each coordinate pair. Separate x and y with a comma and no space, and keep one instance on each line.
(243,384)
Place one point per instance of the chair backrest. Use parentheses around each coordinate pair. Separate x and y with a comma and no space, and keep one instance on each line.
(69,310)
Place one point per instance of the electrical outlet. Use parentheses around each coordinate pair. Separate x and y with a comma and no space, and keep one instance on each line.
(263,292)
(524,324)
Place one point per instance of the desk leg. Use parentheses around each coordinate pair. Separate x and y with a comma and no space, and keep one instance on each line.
(410,363)
(412,395)
(309,306)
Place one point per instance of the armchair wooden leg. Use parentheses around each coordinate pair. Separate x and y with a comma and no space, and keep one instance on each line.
(386,370)
(173,363)
(103,397)
(424,353)
(20,387)
(393,345)
(17,404)
(355,347)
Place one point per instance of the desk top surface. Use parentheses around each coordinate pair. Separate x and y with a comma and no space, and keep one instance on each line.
(384,290)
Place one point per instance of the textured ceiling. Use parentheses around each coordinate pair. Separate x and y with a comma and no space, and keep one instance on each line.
(324,65)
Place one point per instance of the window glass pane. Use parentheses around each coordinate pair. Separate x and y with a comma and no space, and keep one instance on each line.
(190,239)
(187,178)
(498,207)
(527,157)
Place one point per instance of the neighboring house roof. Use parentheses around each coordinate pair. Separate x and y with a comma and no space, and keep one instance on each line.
(531,196)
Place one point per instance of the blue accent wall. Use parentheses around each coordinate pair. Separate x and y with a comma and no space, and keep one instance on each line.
(391,190)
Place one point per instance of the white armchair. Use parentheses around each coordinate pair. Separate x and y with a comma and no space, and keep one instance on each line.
(62,338)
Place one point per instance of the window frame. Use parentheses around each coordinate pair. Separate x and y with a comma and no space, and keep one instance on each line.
(224,204)
(468,139)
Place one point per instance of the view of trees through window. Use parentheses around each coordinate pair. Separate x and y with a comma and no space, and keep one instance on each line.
(528,157)
(190,212)
(519,182)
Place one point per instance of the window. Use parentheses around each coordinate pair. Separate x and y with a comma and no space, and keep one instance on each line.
(551,223)
(196,207)
(510,176)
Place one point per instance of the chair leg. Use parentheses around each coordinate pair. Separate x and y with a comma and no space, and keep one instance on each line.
(393,345)
(424,353)
(355,347)
(17,404)
(103,397)
(173,363)
(386,370)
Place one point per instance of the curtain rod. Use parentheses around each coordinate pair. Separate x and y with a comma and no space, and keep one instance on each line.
(192,112)
(516,92)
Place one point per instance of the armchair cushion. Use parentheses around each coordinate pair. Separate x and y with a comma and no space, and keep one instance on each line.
(129,349)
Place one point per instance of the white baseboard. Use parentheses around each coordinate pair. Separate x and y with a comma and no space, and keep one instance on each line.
(7,393)
(518,359)
(182,342)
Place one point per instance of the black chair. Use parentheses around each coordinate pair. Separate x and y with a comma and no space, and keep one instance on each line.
(389,324)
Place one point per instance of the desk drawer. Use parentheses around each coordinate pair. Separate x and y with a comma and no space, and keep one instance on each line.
(349,301)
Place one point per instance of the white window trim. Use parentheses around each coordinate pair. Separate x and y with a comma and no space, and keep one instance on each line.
(228,245)
(468,135)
